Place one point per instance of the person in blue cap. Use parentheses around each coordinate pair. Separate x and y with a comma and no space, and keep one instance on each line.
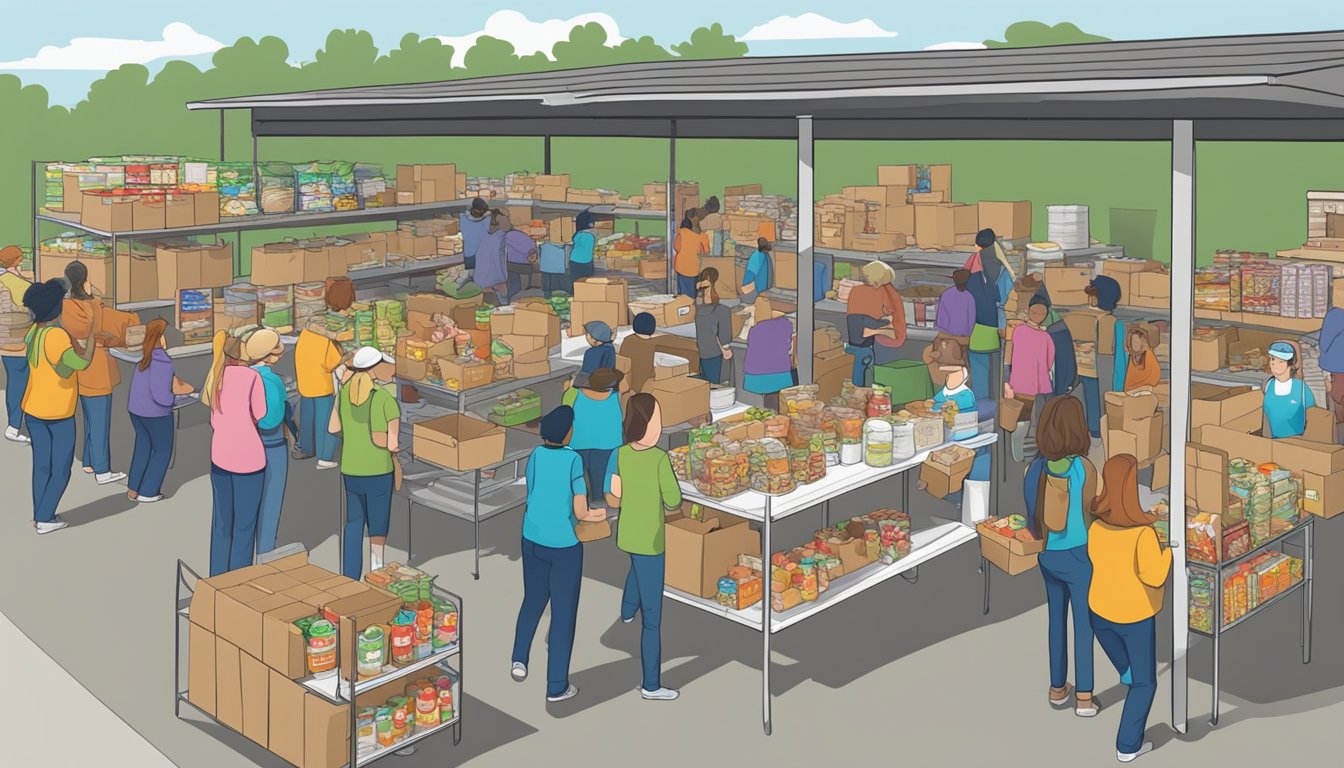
(557,499)
(1286,396)
(601,353)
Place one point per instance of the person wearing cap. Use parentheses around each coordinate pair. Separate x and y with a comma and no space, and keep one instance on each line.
(687,247)
(767,366)
(1029,374)
(583,246)
(49,400)
(1287,397)
(557,499)
(597,422)
(491,272)
(12,352)
(236,396)
(600,352)
(713,328)
(990,283)
(368,420)
(639,348)
(1143,370)
(1103,294)
(85,312)
(272,428)
(474,225)
(757,278)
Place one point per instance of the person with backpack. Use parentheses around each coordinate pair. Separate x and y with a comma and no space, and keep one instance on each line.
(1059,489)
(759,275)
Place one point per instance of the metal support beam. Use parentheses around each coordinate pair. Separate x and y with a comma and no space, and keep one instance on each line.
(222,113)
(671,207)
(546,155)
(806,198)
(1182,294)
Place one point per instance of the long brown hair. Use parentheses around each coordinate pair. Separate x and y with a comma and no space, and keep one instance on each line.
(153,334)
(1062,431)
(340,294)
(709,275)
(638,414)
(1118,504)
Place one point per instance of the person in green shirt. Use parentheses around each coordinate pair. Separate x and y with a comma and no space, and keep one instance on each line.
(367,418)
(641,482)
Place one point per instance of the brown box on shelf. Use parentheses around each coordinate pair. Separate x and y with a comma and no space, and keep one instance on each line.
(256,692)
(1299,455)
(239,613)
(680,398)
(1221,406)
(458,441)
(929,198)
(829,371)
(201,668)
(1206,477)
(282,644)
(1067,279)
(941,480)
(699,552)
(937,226)
(584,312)
(148,212)
(1251,447)
(53,263)
(881,242)
(940,178)
(107,213)
(357,612)
(437,183)
(178,211)
(1010,220)
(1323,495)
(466,374)
(561,229)
(72,195)
(883,195)
(193,266)
(206,207)
(606,289)
(202,610)
(286,718)
(679,311)
(228,685)
(137,275)
(1208,352)
(439,304)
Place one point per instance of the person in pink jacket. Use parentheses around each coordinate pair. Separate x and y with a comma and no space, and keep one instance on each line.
(1030,373)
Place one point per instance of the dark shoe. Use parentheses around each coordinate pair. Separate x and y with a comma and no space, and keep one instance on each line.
(299,455)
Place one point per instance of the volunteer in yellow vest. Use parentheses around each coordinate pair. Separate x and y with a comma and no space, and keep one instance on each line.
(12,350)
(85,314)
(49,402)
(317,361)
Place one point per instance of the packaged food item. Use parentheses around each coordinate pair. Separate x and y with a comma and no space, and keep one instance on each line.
(445,624)
(1201,600)
(879,402)
(808,590)
(680,456)
(382,721)
(402,717)
(893,529)
(366,735)
(728,592)
(928,432)
(816,459)
(444,684)
(427,708)
(877,443)
(321,648)
(372,651)
(402,643)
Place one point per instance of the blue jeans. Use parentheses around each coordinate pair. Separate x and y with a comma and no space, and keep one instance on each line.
(16,381)
(368,504)
(314,415)
(1132,647)
(53,451)
(1068,576)
(711,369)
(552,576)
(685,286)
(580,270)
(595,461)
(552,283)
(1092,404)
(644,593)
(233,520)
(154,437)
(519,275)
(272,488)
(981,384)
(863,364)
(97,432)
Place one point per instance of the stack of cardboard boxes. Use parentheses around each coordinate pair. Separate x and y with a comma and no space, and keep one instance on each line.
(245,654)
(687,196)
(1143,283)
(421,308)
(303,261)
(419,184)
(908,208)
(530,331)
(599,298)
(667,310)
(1135,425)
(425,238)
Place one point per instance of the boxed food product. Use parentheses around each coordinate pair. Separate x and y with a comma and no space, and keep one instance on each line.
(701,549)
(680,398)
(1009,220)
(667,311)
(613,290)
(464,373)
(458,441)
(946,469)
(1008,544)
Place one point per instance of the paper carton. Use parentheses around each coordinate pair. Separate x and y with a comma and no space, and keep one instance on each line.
(898,175)
(699,552)
(1323,495)
(680,310)
(604,289)
(228,685)
(1063,279)
(1300,455)
(681,398)
(1208,352)
(584,312)
(937,226)
(1008,554)
(461,375)
(201,669)
(1220,406)
(669,366)
(1129,406)
(355,613)
(256,691)
(106,213)
(1320,426)
(786,269)
(1241,445)
(286,718)
(203,600)
(941,480)
(326,733)
(458,442)
(238,616)
(193,266)
(1009,220)
(282,645)
(138,276)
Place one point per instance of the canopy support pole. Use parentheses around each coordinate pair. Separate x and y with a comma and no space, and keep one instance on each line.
(222,113)
(546,155)
(1182,304)
(806,275)
(671,207)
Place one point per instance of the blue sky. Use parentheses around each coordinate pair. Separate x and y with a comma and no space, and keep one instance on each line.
(153,31)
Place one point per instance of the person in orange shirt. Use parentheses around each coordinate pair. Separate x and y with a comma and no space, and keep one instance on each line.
(690,244)
(874,313)
(1144,371)
(82,315)
(49,401)
(317,361)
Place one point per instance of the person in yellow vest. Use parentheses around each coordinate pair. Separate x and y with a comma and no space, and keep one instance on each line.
(317,360)
(49,401)
(12,350)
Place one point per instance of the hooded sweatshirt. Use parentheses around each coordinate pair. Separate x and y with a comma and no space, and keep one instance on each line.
(77,317)
(152,389)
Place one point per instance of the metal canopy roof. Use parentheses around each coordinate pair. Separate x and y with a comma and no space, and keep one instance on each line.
(1254,87)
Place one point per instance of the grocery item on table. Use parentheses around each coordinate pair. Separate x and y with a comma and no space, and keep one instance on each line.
(382,721)
(893,529)
(402,642)
(928,432)
(808,589)
(427,708)
(372,651)
(516,408)
(879,402)
(321,635)
(877,443)
(366,735)
(903,440)
(680,457)
(444,684)
(445,623)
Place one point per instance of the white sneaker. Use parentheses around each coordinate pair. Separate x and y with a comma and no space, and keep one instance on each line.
(149,499)
(55,525)
(518,671)
(15,436)
(627,621)
(326,465)
(109,477)
(569,693)
(662,694)
(1129,758)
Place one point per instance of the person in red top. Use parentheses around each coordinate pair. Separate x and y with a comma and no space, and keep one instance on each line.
(875,315)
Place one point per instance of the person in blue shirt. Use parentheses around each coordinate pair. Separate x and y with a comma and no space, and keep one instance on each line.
(600,352)
(758,276)
(596,401)
(1286,396)
(957,389)
(1059,490)
(1332,360)
(583,245)
(553,259)
(557,499)
(1103,293)
(474,225)
(272,428)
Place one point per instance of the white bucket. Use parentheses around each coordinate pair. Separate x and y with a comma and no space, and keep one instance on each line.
(1069,226)
(722,398)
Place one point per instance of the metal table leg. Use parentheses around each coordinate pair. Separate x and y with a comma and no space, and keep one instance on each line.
(410,537)
(1217,637)
(826,513)
(765,625)
(476,523)
(1308,539)
(905,492)
(984,569)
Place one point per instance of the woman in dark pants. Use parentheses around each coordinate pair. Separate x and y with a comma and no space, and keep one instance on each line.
(557,497)
(151,407)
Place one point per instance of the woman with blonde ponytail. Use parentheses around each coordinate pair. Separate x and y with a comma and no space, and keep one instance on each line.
(367,419)
(237,399)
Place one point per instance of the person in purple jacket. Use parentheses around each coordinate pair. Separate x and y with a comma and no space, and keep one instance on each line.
(491,274)
(151,407)
(956,308)
(768,365)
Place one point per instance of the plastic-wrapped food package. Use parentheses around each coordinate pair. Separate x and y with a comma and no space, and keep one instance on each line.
(928,432)
(816,459)
(893,532)
(680,457)
(1201,600)
(879,402)
(798,459)
(777,427)
(277,306)
(853,397)
(849,425)
(877,443)
(795,400)
(196,316)
(277,187)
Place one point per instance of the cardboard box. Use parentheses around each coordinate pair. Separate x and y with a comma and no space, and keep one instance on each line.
(529,370)
(681,399)
(1008,554)
(1208,352)
(282,645)
(1009,220)
(881,242)
(203,600)
(830,369)
(1299,455)
(285,713)
(583,312)
(699,552)
(461,374)
(458,441)
(178,212)
(228,685)
(905,176)
(929,198)
(669,366)
(279,264)
(605,289)
(148,212)
(193,266)
(1221,406)
(1206,469)
(942,480)
(326,733)
(355,613)
(679,311)
(138,275)
(437,303)
(53,263)
(1073,280)
(106,213)
(275,583)
(1253,448)
(1141,438)
(940,178)
(1320,426)
(937,226)
(1323,495)
(201,669)
(1129,406)
(206,207)
(1161,471)
(256,685)
(785,269)
(238,616)
(882,194)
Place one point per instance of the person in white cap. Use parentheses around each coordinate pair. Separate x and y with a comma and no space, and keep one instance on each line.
(367,419)
(1286,396)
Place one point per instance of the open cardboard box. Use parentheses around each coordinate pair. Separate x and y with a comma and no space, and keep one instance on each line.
(458,441)
(699,552)
(1009,555)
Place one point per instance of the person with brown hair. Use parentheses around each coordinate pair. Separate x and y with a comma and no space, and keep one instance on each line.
(151,406)
(758,276)
(1059,489)
(1143,371)
(641,482)
(874,314)
(596,402)
(713,327)
(1130,570)
(317,360)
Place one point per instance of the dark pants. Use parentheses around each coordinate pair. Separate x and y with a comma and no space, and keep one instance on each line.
(1092,404)
(368,504)
(97,432)
(469,262)
(1132,647)
(154,437)
(551,576)
(644,594)
(314,416)
(1336,395)
(982,381)
(580,271)
(711,369)
(16,381)
(520,277)
(595,462)
(863,364)
(1068,576)
(274,478)
(53,451)
(685,285)
(552,283)
(233,522)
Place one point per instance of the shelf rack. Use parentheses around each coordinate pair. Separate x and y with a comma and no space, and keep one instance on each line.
(333,688)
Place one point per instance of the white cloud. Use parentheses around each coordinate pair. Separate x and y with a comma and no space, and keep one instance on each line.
(955,46)
(812,26)
(527,36)
(108,53)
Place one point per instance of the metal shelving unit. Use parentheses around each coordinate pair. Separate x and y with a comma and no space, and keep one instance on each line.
(1306,529)
(765,509)
(462,400)
(333,688)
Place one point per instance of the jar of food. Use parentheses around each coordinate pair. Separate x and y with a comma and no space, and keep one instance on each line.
(401,717)
(427,708)
(727,594)
(903,441)
(371,651)
(445,689)
(809,589)
(402,642)
(877,443)
(382,722)
(445,624)
(879,402)
(483,317)
(322,648)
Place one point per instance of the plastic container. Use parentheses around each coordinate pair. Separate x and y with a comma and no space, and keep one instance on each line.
(851,454)
(809,590)
(965,425)
(372,652)
(877,443)
(903,441)
(879,403)
(445,688)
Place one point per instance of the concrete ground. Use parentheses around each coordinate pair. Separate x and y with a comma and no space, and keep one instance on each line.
(913,665)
